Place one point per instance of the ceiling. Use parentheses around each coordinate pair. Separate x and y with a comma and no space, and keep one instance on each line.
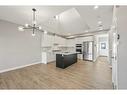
(71,19)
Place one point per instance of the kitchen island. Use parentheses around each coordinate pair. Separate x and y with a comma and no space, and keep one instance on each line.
(64,60)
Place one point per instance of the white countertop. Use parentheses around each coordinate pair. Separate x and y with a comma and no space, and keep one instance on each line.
(66,53)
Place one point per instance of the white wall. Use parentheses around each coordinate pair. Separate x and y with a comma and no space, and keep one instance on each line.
(17,48)
(122,47)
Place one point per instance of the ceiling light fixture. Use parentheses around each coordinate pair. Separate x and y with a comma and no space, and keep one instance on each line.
(33,34)
(96,7)
(21,28)
(26,25)
(99,22)
(33,26)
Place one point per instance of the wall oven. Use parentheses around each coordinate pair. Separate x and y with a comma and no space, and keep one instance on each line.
(79,48)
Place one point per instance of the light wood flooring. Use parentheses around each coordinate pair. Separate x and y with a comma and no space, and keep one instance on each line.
(82,75)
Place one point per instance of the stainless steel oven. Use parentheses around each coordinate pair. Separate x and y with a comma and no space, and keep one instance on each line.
(79,48)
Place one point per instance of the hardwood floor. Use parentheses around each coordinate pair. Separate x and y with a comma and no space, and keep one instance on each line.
(82,75)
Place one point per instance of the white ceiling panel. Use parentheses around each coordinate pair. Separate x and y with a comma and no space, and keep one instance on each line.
(23,14)
(91,16)
(71,22)
(72,19)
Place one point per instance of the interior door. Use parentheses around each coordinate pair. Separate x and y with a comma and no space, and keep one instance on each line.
(114,60)
(113,42)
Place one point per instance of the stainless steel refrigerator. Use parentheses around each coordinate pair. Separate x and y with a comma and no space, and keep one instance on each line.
(88,50)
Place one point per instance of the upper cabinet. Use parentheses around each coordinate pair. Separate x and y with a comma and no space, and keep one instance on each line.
(78,40)
(47,40)
(50,41)
(70,42)
(60,41)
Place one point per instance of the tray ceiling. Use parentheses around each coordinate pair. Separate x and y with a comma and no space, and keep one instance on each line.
(72,19)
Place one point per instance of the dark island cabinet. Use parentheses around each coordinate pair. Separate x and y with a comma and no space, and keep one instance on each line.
(65,60)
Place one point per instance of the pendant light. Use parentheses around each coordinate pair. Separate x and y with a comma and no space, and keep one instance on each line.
(34,27)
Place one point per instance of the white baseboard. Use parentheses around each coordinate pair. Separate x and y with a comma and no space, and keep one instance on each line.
(18,67)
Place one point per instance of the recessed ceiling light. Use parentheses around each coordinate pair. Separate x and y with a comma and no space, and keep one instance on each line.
(40,27)
(96,7)
(69,33)
(86,31)
(45,32)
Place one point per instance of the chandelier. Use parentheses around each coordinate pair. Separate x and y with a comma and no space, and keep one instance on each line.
(34,27)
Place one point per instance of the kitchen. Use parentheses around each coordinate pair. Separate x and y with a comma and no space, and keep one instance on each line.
(52,45)
(65,46)
(63,40)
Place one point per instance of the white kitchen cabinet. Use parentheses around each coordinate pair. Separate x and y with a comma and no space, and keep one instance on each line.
(61,41)
(47,40)
(48,57)
(79,40)
(56,39)
(50,40)
(71,42)
(80,56)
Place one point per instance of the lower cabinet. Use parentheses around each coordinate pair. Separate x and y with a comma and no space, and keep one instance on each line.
(48,57)
(80,56)
(63,61)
